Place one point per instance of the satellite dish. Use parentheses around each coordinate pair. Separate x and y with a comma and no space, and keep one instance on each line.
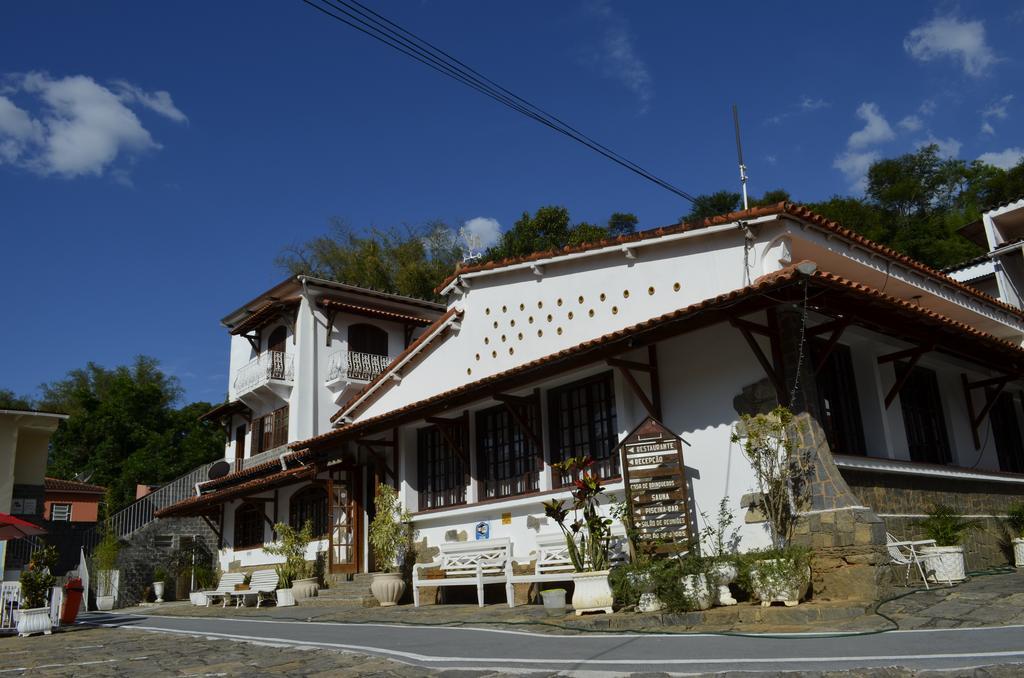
(218,470)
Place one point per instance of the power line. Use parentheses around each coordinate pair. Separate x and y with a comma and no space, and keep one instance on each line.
(370,23)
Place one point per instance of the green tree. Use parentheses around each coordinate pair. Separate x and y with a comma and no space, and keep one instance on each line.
(410,261)
(550,228)
(124,428)
(712,205)
(10,401)
(622,223)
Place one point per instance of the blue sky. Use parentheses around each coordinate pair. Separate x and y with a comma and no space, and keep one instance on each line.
(155,158)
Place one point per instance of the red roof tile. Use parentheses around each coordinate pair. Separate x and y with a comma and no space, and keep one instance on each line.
(61,485)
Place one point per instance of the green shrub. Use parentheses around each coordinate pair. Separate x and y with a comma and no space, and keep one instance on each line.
(292,546)
(786,563)
(37,580)
(664,577)
(1015,519)
(390,532)
(945,525)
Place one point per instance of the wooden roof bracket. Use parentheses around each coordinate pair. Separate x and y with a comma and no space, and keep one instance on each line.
(217,530)
(837,328)
(748,329)
(447,428)
(331,315)
(517,407)
(991,388)
(626,369)
(408,330)
(912,355)
(254,341)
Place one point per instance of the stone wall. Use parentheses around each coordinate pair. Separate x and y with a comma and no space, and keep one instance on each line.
(152,545)
(902,499)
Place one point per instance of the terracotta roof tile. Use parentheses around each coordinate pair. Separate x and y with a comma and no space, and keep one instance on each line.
(266,313)
(255,470)
(337,305)
(62,485)
(196,505)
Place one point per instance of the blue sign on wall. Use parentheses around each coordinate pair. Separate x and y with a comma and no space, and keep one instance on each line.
(483,530)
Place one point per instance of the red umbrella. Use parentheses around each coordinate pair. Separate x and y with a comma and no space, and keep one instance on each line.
(16,528)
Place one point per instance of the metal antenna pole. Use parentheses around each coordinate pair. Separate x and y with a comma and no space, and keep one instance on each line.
(739,155)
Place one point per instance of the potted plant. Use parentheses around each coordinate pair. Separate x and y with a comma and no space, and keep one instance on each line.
(587,537)
(721,541)
(292,545)
(1015,519)
(391,539)
(159,580)
(205,579)
(105,559)
(780,574)
(947,528)
(36,582)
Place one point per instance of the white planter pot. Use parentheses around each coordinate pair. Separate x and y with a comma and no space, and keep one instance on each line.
(696,587)
(722,575)
(946,563)
(771,586)
(649,601)
(591,592)
(554,602)
(197,598)
(34,620)
(105,603)
(387,588)
(285,597)
(158,591)
(1018,552)
(304,588)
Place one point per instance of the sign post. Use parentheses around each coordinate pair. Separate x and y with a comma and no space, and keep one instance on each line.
(656,492)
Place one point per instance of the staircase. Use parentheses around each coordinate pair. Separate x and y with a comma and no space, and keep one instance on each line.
(345,589)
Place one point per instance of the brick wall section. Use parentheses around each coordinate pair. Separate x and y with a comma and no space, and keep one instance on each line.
(902,498)
(140,554)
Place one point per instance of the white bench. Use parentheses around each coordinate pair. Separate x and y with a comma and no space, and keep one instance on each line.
(469,563)
(225,588)
(553,564)
(262,585)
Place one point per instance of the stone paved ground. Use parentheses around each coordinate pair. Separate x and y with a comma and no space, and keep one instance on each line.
(982,601)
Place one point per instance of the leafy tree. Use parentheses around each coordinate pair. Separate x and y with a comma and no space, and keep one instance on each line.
(712,205)
(549,228)
(622,223)
(410,262)
(124,428)
(10,401)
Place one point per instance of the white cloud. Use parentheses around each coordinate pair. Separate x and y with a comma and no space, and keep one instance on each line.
(809,104)
(483,231)
(948,148)
(950,37)
(876,128)
(997,109)
(854,165)
(911,123)
(987,128)
(1004,159)
(927,107)
(771,159)
(618,57)
(79,127)
(159,101)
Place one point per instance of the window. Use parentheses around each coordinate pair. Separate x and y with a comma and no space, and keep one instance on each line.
(60,512)
(837,400)
(1006,431)
(363,338)
(164,542)
(922,416)
(442,474)
(248,526)
(309,503)
(22,506)
(272,430)
(507,455)
(583,423)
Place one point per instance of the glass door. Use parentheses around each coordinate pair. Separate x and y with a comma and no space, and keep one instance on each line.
(346,514)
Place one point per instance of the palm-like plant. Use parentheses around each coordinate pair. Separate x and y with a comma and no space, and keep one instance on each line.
(589,534)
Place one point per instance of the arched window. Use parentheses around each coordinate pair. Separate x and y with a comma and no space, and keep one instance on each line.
(363,338)
(248,526)
(309,503)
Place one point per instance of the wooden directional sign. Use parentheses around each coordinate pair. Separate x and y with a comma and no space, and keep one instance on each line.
(656,492)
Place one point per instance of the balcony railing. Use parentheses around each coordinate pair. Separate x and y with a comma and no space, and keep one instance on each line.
(269,366)
(355,366)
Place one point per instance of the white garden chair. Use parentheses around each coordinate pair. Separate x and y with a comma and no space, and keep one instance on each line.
(906,553)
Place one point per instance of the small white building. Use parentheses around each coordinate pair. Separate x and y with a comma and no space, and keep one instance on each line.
(913,376)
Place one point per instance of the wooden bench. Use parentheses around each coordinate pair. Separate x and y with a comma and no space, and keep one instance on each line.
(263,584)
(469,563)
(552,563)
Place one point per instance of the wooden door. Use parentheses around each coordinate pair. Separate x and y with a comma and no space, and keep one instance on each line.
(346,520)
(239,446)
(276,349)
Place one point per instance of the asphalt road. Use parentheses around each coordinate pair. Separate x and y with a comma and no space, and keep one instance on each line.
(465,648)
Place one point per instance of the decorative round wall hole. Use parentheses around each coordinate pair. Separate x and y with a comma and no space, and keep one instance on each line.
(650,290)
(540,333)
(530,319)
(676,287)
(511,350)
(520,335)
(559,302)
(478,356)
(625,294)
(469,370)
(591,313)
(570,315)
(558,331)
(504,309)
(494,354)
(512,322)
(603,296)
(540,304)
(522,307)
(581,299)
(487,340)
(495,324)
(487,311)
(503,338)
(549,317)
(615,310)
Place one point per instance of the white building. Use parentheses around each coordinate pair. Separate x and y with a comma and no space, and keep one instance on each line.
(914,376)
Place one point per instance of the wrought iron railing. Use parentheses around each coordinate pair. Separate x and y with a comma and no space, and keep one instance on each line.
(268,366)
(355,366)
